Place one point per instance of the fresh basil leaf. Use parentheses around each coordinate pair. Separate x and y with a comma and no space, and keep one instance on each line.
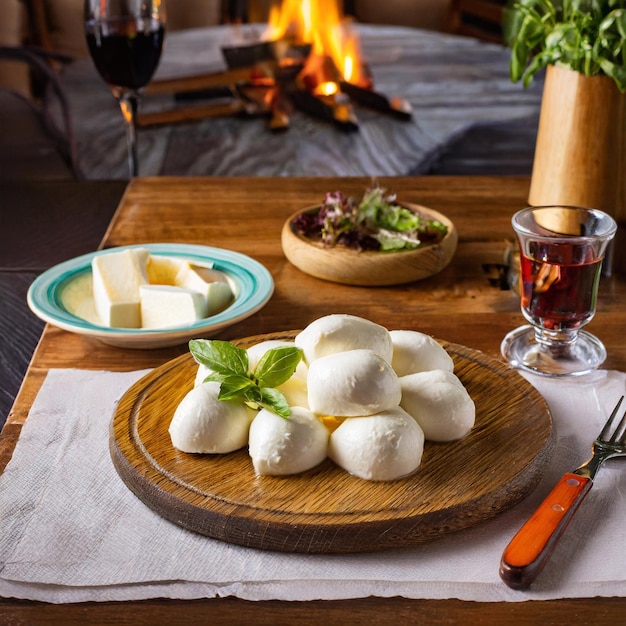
(229,365)
(277,366)
(221,356)
(233,387)
(274,401)
(215,377)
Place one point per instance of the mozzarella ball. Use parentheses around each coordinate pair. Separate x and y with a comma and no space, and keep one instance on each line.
(384,446)
(338,333)
(256,352)
(295,391)
(416,352)
(355,382)
(439,403)
(204,424)
(280,446)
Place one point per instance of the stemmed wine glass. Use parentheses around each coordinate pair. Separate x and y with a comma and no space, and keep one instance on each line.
(125,38)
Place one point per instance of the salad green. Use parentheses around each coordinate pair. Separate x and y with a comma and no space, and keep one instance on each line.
(376,222)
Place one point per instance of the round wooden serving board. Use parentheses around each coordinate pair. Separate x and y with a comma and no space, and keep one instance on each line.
(326,510)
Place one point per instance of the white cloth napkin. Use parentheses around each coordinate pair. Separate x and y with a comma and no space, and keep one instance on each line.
(70,530)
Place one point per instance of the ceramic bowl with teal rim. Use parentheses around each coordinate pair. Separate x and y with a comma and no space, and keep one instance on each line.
(63,297)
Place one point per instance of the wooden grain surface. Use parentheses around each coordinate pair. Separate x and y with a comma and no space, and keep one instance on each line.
(41,224)
(458,305)
(576,167)
(325,510)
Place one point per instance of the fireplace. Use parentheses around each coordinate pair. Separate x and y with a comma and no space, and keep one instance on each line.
(308,58)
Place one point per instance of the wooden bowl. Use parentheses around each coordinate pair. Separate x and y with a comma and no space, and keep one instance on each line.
(369,268)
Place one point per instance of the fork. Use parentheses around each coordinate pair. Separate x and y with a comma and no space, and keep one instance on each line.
(529,551)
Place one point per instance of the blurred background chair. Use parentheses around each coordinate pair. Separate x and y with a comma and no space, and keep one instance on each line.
(481,19)
(36,38)
(58,24)
(427,14)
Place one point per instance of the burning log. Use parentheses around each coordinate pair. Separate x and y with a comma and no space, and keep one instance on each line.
(199,82)
(210,93)
(269,98)
(193,113)
(335,108)
(397,107)
(249,55)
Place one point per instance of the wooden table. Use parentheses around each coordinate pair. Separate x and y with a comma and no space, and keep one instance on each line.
(42,223)
(458,305)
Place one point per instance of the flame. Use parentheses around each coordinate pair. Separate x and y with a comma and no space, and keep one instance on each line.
(321,24)
(327,88)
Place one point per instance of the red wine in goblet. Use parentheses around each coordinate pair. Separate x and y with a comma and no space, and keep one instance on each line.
(561,253)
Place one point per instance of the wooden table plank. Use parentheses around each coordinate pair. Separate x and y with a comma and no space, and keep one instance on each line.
(41,224)
(459,305)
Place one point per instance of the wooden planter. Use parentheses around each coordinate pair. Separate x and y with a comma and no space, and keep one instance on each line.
(580,155)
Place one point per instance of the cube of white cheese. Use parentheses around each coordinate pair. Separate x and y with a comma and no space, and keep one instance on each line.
(166,305)
(117,277)
(163,270)
(212,284)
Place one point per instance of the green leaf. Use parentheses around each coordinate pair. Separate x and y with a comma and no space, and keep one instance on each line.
(391,241)
(586,36)
(277,366)
(229,365)
(399,219)
(233,387)
(272,400)
(221,356)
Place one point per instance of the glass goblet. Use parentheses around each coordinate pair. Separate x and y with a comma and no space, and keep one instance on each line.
(125,38)
(561,253)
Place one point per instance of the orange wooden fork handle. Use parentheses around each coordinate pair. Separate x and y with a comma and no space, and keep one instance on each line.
(532,546)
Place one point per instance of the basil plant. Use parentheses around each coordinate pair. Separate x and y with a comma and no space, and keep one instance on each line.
(587,36)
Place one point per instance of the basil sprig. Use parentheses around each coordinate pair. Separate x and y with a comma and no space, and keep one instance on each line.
(229,365)
(586,36)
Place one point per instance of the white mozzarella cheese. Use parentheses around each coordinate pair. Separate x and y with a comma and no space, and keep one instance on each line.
(338,333)
(295,391)
(213,286)
(116,278)
(417,352)
(385,446)
(202,373)
(354,382)
(164,270)
(204,424)
(280,446)
(439,403)
(164,305)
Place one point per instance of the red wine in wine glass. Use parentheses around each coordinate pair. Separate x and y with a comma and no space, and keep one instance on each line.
(125,51)
(125,39)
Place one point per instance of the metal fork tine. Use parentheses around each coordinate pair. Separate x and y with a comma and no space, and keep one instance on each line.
(619,436)
(607,426)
